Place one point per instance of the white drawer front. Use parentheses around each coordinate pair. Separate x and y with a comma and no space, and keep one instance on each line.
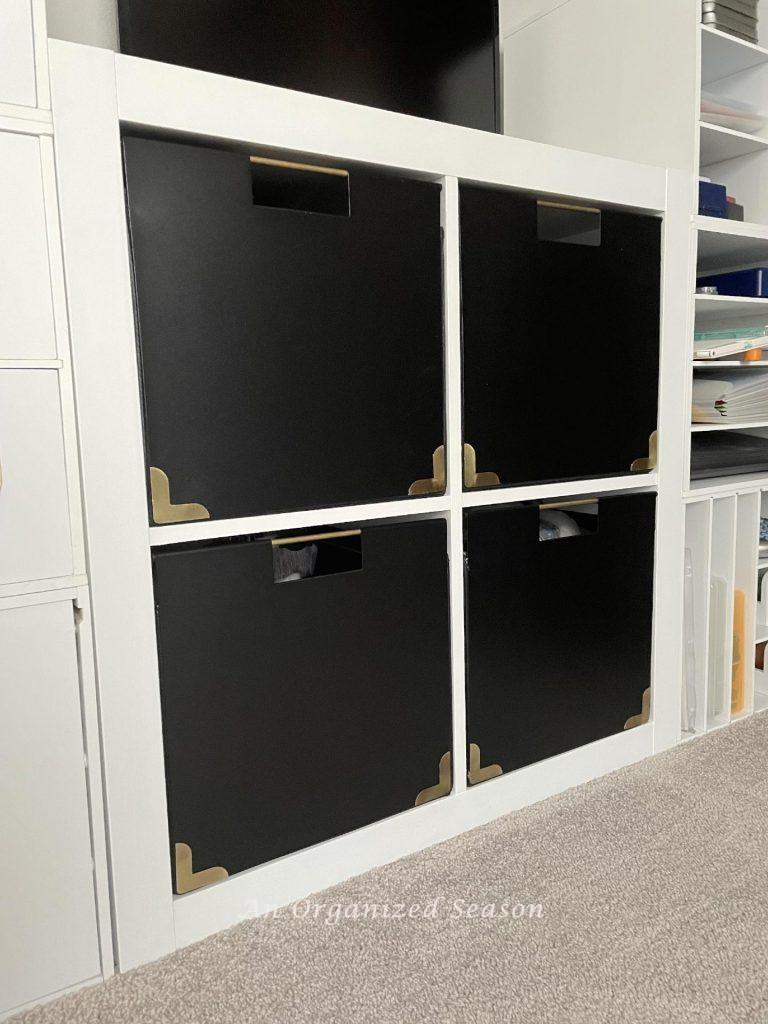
(26,307)
(35,538)
(17,68)
(48,932)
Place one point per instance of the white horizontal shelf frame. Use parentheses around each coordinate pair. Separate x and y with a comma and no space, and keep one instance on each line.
(723,55)
(93,92)
(730,364)
(718,144)
(736,484)
(716,307)
(181,533)
(697,428)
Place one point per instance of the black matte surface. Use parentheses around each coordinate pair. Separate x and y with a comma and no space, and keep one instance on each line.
(559,632)
(289,359)
(433,58)
(295,712)
(561,341)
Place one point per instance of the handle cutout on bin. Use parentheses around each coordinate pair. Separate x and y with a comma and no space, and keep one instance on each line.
(307,188)
(310,555)
(562,520)
(572,225)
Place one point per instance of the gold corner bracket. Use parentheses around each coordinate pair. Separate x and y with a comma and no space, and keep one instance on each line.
(444,784)
(646,465)
(476,773)
(188,880)
(163,509)
(436,483)
(645,715)
(472,478)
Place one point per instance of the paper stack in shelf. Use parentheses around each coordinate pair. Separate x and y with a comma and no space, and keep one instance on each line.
(736,17)
(719,344)
(734,397)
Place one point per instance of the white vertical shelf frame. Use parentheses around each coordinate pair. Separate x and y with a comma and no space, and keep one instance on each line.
(698,540)
(92,92)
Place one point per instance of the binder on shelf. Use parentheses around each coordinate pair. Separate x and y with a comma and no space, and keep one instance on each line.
(752,283)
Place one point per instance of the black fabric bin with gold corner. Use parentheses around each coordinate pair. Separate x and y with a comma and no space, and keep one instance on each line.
(561,334)
(300,710)
(290,330)
(558,631)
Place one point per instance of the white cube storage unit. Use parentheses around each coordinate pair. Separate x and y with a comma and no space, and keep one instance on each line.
(49,934)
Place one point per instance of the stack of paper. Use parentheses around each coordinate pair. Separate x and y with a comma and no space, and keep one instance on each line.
(736,397)
(718,344)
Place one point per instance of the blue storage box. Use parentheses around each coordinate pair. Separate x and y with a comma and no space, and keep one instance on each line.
(713,200)
(751,283)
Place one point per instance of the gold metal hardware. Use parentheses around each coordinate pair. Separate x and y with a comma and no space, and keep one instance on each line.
(568,206)
(472,478)
(568,504)
(476,773)
(290,165)
(645,714)
(163,510)
(646,465)
(188,880)
(437,481)
(444,785)
(307,538)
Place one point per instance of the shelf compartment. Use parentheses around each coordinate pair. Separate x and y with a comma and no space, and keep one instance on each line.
(541,682)
(716,307)
(720,144)
(724,244)
(723,55)
(747,425)
(720,639)
(539,310)
(289,714)
(295,359)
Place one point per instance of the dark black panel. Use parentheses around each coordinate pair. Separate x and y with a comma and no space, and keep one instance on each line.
(295,712)
(432,58)
(559,632)
(290,359)
(561,340)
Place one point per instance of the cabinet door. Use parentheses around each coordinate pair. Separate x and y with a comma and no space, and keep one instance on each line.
(290,329)
(48,931)
(26,310)
(17,68)
(561,313)
(35,538)
(297,711)
(558,631)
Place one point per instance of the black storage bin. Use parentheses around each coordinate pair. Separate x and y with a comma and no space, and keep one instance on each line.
(561,314)
(290,330)
(558,631)
(296,711)
(432,58)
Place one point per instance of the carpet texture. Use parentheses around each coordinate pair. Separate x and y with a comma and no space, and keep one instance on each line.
(653,886)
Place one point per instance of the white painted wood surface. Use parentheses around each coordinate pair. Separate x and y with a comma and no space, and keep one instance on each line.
(18,80)
(48,926)
(26,307)
(35,534)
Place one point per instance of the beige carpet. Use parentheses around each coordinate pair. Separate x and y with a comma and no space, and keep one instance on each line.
(653,884)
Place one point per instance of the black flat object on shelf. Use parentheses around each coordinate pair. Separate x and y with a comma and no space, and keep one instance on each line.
(727,454)
(431,58)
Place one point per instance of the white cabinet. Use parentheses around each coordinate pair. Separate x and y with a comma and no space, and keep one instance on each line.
(48,925)
(17,68)
(35,538)
(26,306)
